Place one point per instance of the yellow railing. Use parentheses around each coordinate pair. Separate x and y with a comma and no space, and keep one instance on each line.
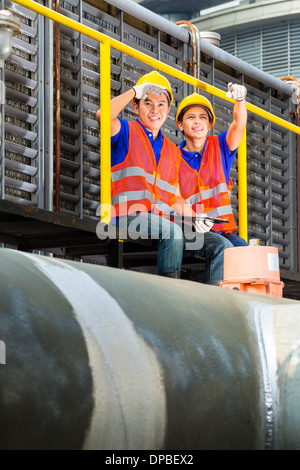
(242,188)
(105,164)
(105,44)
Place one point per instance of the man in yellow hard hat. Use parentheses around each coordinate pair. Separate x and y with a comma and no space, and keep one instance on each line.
(204,174)
(145,171)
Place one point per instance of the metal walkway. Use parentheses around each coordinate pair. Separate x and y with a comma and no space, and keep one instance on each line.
(32,229)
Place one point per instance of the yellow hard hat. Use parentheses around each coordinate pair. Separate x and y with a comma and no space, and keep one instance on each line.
(197,100)
(157,79)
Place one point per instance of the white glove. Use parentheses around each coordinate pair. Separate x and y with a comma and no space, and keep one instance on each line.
(236,92)
(202,225)
(141,91)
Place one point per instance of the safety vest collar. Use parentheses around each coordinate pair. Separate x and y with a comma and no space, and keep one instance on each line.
(149,134)
(188,156)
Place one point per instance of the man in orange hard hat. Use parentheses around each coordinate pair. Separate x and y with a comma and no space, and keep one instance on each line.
(145,171)
(204,173)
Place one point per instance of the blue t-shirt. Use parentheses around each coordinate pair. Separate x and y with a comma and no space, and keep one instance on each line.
(194,159)
(120,143)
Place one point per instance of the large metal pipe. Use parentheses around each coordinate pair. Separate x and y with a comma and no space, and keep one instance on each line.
(101,358)
(149,17)
(196,52)
(165,25)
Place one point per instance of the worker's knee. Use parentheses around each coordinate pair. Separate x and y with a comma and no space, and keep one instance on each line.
(215,244)
(226,243)
(221,245)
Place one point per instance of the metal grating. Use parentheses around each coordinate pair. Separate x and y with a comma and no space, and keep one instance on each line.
(70,114)
(80,83)
(21,163)
(28,174)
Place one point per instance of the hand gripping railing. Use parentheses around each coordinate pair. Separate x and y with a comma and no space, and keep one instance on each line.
(105,45)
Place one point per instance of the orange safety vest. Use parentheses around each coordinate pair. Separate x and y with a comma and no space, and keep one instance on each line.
(140,185)
(206,190)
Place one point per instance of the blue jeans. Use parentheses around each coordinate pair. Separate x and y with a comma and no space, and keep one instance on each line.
(172,241)
(235,239)
(212,253)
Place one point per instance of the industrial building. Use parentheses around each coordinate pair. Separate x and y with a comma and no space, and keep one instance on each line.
(264,33)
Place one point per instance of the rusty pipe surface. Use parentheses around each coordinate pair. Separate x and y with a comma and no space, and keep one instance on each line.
(102,358)
(196,53)
(58,115)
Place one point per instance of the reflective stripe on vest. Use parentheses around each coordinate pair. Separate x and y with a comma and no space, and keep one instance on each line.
(209,193)
(196,187)
(132,171)
(194,199)
(220,211)
(150,178)
(130,196)
(139,182)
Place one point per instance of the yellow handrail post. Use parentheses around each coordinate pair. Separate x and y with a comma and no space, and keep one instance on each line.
(105,138)
(242,188)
